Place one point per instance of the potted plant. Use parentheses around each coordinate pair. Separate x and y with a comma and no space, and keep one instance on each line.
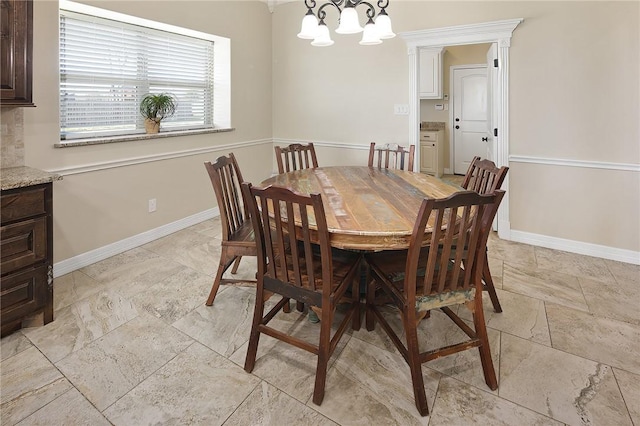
(156,107)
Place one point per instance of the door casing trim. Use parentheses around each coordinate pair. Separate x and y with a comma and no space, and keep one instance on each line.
(499,32)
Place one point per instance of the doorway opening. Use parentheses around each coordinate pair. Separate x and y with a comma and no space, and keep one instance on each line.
(498,33)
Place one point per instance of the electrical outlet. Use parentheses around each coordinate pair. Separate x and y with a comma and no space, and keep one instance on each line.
(152,205)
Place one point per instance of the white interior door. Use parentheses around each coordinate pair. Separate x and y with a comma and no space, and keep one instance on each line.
(469,116)
(492,101)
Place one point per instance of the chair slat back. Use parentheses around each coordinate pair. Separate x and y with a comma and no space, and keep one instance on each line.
(296,157)
(286,247)
(483,176)
(226,179)
(462,220)
(391,156)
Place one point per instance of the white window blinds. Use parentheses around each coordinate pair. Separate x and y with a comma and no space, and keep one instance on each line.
(107,66)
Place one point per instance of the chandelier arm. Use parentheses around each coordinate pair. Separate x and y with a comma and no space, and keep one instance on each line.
(336,3)
(310,4)
(383,4)
(371,12)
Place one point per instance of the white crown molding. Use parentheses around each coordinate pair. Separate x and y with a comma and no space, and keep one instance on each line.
(92,167)
(85,259)
(271,4)
(486,32)
(575,163)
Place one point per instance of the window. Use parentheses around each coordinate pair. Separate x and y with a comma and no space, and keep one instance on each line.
(109,61)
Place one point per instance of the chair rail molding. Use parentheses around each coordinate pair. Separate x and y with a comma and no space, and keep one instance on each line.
(499,32)
(326,144)
(112,164)
(628,167)
(580,247)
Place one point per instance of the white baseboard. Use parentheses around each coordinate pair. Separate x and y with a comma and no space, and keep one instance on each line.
(589,249)
(85,259)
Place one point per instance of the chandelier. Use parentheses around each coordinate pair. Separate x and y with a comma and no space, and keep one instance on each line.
(373,32)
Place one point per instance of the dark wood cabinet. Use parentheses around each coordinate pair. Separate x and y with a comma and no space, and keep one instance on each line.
(26,251)
(16,71)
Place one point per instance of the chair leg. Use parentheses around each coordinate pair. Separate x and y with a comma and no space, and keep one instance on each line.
(299,306)
(254,335)
(323,355)
(234,270)
(488,285)
(216,282)
(484,349)
(413,359)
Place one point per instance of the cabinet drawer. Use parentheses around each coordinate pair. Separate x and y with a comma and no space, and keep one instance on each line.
(22,293)
(23,244)
(24,204)
(429,136)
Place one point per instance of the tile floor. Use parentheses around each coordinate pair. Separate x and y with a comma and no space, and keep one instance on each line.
(133,343)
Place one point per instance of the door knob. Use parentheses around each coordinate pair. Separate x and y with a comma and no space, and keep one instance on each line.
(457,119)
(457,127)
(485,139)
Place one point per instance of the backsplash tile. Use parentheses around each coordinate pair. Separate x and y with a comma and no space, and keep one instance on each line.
(12,143)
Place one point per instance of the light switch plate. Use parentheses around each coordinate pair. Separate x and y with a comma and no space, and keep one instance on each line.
(401,109)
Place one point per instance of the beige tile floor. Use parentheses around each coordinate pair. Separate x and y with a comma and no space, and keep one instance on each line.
(133,343)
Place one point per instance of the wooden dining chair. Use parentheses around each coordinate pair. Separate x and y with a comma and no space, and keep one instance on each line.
(420,279)
(295,157)
(237,231)
(295,261)
(391,156)
(484,177)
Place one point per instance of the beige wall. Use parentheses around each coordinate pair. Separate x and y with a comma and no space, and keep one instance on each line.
(574,96)
(97,208)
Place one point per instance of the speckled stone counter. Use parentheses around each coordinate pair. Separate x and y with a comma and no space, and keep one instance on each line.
(19,177)
(432,125)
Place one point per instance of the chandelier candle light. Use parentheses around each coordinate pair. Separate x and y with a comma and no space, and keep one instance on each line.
(373,32)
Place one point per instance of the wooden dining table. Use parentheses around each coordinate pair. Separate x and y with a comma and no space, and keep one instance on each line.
(367,208)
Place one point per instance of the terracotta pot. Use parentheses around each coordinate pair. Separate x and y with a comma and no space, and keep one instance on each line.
(151,126)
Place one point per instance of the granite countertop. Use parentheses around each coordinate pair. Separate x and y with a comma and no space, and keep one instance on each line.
(432,126)
(19,177)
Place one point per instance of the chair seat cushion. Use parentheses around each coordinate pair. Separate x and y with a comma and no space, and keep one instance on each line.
(392,264)
(429,302)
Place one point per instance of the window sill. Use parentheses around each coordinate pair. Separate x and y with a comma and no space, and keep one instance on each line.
(128,138)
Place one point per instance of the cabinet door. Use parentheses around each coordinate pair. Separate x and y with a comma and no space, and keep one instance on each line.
(430,73)
(428,156)
(23,293)
(16,18)
(23,244)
